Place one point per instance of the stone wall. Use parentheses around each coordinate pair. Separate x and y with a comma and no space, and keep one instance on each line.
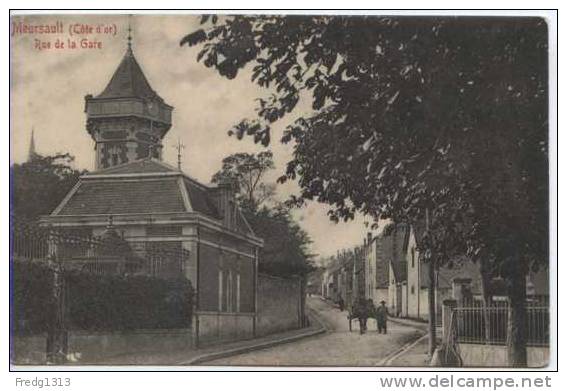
(29,349)
(219,327)
(279,305)
(93,347)
(88,346)
(478,355)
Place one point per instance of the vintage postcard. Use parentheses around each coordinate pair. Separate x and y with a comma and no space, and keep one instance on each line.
(280,190)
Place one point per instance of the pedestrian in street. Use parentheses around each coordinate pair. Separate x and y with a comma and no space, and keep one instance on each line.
(382,317)
(362,314)
(341,304)
(370,309)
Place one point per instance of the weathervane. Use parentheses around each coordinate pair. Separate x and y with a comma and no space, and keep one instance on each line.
(180,146)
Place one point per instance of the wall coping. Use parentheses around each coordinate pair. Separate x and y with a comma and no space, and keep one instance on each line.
(126,332)
(218,313)
(269,276)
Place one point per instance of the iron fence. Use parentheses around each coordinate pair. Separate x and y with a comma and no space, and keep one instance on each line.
(489,325)
(80,250)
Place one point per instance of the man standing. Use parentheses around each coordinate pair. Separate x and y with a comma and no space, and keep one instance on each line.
(382,317)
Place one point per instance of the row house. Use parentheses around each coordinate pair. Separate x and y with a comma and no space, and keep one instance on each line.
(397,274)
(343,278)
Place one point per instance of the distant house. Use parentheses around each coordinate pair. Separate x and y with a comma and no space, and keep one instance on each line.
(462,274)
(396,241)
(386,270)
(460,280)
(343,277)
(376,269)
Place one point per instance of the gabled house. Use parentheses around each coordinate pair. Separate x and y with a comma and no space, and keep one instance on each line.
(396,240)
(460,280)
(376,271)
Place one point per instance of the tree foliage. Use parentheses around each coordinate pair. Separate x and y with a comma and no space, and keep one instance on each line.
(40,184)
(246,172)
(412,114)
(286,244)
(408,113)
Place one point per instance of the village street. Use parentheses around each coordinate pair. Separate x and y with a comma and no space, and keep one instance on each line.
(337,347)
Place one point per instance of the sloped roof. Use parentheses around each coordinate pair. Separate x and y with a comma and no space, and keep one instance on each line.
(418,230)
(391,252)
(200,199)
(142,166)
(119,196)
(128,81)
(383,248)
(142,186)
(400,239)
(461,267)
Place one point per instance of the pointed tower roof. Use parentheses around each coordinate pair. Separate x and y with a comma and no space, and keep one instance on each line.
(128,81)
(32,153)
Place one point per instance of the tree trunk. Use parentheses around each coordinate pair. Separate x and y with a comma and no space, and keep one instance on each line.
(432,309)
(517,321)
(57,333)
(486,278)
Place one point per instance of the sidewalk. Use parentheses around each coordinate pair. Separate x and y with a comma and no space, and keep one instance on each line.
(409,322)
(416,354)
(201,356)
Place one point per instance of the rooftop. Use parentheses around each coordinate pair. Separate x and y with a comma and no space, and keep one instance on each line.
(142,186)
(128,81)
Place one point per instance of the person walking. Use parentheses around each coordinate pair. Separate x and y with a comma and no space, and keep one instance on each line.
(341,304)
(362,314)
(382,317)
(370,309)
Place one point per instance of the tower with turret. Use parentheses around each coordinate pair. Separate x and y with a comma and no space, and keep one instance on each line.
(128,120)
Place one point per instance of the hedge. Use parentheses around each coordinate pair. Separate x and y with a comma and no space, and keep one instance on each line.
(114,302)
(98,302)
(32,297)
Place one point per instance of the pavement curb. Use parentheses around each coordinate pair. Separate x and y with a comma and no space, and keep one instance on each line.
(387,361)
(409,323)
(262,345)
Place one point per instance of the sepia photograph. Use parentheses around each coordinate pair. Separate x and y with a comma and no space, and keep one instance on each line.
(256,189)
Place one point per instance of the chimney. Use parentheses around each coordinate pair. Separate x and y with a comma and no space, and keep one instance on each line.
(226,202)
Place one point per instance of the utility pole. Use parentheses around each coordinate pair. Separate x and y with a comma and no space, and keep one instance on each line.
(431,292)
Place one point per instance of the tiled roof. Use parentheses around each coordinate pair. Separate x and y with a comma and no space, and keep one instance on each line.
(118,196)
(391,252)
(128,81)
(142,166)
(200,199)
(400,239)
(461,267)
(120,190)
(383,251)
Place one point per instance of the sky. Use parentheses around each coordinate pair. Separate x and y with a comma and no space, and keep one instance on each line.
(48,86)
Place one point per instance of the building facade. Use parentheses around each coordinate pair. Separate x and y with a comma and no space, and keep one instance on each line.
(376,269)
(176,225)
